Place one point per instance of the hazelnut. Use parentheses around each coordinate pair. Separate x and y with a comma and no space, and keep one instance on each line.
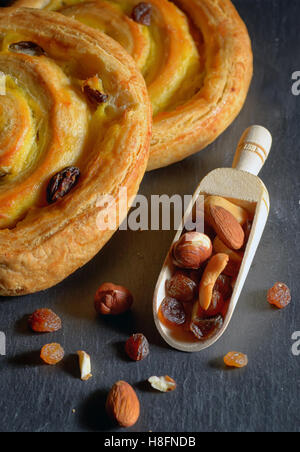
(111,299)
(191,250)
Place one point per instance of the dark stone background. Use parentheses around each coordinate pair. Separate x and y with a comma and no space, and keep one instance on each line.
(264,396)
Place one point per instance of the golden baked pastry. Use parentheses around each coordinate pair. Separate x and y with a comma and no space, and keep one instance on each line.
(195,56)
(75,124)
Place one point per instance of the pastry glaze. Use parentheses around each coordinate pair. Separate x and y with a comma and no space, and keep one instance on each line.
(46,124)
(196,59)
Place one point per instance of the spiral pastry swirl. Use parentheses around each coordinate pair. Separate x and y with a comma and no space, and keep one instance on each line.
(73,107)
(195,56)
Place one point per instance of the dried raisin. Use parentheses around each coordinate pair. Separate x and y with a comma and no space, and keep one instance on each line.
(142,13)
(223,286)
(52,354)
(216,305)
(173,311)
(181,287)
(279,295)
(232,269)
(95,96)
(204,328)
(62,183)
(27,47)
(137,347)
(236,359)
(44,321)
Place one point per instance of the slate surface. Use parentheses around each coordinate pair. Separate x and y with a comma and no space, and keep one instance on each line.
(263,397)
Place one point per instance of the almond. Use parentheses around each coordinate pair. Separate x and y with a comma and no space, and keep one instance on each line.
(228,229)
(239,213)
(122,404)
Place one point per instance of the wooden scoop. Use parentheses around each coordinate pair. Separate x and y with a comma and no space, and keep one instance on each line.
(242,185)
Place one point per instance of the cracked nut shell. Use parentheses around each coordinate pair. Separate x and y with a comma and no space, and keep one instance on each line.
(191,250)
(111,299)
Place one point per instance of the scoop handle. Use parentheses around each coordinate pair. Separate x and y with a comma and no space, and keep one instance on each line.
(253,150)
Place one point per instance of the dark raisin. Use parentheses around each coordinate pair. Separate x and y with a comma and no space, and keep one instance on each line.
(142,13)
(173,311)
(95,96)
(216,305)
(232,269)
(62,183)
(181,287)
(205,328)
(223,285)
(27,47)
(137,347)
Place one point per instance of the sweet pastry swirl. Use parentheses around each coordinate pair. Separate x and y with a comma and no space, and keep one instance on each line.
(75,124)
(195,56)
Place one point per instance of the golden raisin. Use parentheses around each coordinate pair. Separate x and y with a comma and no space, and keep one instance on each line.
(279,295)
(137,347)
(44,321)
(52,353)
(236,359)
